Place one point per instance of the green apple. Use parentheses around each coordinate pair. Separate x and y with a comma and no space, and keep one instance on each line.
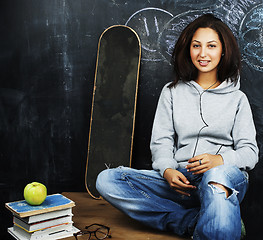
(35,193)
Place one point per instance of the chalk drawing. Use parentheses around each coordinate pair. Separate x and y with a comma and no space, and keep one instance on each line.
(148,23)
(233,11)
(146,27)
(173,29)
(197,4)
(159,29)
(251,38)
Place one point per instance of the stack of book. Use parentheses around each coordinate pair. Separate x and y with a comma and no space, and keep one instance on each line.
(50,220)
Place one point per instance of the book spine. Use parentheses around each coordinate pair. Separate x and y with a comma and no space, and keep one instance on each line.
(49,215)
(41,229)
(53,233)
(42,224)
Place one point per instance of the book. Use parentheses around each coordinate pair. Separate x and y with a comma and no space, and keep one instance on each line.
(46,216)
(42,224)
(50,220)
(47,234)
(52,203)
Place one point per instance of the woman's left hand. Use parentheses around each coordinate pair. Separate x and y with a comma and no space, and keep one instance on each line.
(204,162)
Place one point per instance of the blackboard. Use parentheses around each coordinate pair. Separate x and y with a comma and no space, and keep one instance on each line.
(47,65)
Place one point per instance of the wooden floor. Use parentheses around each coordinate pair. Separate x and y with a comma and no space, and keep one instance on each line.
(88,211)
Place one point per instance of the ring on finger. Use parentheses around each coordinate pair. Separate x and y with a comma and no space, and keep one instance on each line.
(200,162)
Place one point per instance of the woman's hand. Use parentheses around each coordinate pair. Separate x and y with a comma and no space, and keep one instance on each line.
(178,181)
(204,162)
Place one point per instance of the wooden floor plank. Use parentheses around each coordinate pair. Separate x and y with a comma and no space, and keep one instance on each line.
(88,211)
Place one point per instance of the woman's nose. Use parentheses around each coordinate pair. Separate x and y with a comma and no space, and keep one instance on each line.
(203,52)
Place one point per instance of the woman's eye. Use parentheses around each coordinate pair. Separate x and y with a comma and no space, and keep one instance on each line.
(196,46)
(212,46)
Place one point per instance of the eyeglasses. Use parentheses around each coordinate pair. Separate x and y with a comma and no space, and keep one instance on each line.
(98,230)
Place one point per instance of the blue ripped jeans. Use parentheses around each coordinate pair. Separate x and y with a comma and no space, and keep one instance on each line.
(146,196)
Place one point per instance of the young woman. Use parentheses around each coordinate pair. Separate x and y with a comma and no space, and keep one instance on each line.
(203,142)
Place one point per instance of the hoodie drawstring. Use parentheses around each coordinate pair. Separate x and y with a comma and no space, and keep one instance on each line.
(201,115)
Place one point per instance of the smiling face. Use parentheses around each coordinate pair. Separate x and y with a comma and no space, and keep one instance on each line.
(206,51)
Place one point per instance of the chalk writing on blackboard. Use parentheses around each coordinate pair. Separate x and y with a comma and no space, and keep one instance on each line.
(190,4)
(251,38)
(148,23)
(173,29)
(159,29)
(233,11)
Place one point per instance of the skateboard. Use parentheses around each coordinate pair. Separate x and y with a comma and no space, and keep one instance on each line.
(113,104)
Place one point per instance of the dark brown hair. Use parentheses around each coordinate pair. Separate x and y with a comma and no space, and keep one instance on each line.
(230,62)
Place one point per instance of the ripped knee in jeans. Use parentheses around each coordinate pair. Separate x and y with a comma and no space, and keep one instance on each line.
(218,186)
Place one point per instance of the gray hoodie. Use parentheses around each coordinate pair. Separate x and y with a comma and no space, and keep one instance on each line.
(190,121)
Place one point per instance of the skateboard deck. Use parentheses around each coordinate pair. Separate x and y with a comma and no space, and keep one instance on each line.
(114,103)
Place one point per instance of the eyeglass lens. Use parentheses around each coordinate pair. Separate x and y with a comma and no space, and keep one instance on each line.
(100,232)
(94,232)
(85,236)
